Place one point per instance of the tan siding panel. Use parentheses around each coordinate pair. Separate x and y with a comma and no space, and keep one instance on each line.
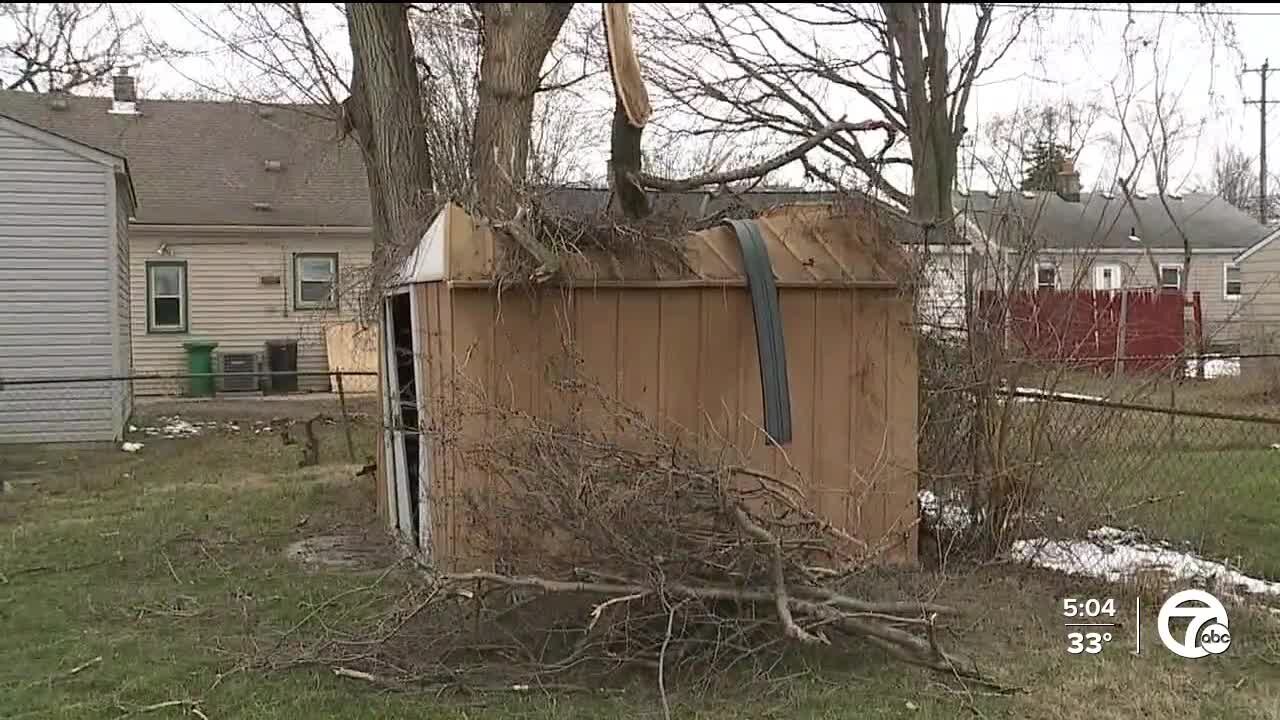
(229,304)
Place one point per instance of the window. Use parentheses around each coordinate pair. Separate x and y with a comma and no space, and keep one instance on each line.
(166,297)
(1106,277)
(1231,281)
(1046,277)
(315,283)
(1170,277)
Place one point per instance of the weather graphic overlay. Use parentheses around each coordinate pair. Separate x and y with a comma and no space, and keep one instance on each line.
(1090,624)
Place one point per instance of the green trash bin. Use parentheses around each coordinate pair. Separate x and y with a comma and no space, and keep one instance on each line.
(200,360)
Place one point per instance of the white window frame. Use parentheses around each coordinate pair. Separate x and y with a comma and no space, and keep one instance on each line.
(1226,294)
(181,297)
(1170,266)
(1057,276)
(298,302)
(1097,276)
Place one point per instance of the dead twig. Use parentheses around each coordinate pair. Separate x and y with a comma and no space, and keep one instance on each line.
(188,704)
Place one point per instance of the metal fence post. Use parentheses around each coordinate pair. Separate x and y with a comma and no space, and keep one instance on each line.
(346,420)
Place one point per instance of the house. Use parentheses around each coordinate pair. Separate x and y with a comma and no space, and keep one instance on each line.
(1259,266)
(833,383)
(64,286)
(1102,241)
(252,226)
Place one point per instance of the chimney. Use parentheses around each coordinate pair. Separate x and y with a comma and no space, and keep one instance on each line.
(1067,183)
(124,93)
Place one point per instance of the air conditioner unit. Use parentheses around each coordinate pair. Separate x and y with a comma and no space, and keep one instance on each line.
(239,363)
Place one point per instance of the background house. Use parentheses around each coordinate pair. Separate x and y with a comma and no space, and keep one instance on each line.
(1098,241)
(64,286)
(252,226)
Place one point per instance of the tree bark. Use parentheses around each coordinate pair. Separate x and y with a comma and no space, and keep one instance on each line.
(515,39)
(385,112)
(918,33)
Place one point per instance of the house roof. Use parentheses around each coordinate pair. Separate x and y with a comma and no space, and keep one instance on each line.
(1105,221)
(204,163)
(94,154)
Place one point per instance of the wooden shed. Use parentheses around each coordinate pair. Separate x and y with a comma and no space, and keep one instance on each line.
(679,345)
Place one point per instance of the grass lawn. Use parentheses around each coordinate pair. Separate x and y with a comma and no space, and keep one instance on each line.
(170,566)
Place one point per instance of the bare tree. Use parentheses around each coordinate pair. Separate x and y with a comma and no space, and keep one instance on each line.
(515,40)
(777,68)
(1235,178)
(385,113)
(52,47)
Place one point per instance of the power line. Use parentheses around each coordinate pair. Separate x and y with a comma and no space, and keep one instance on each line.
(1189,12)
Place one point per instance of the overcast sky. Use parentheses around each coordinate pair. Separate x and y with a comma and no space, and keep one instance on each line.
(1073,54)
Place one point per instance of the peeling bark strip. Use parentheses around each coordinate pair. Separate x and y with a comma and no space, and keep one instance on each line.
(624,66)
(385,112)
(630,113)
(515,39)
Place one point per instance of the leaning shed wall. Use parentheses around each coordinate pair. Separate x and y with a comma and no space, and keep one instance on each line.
(684,353)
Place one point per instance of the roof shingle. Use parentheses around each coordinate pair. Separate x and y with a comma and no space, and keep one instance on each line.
(204,163)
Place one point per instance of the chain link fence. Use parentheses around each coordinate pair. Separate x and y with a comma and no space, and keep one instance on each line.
(1105,474)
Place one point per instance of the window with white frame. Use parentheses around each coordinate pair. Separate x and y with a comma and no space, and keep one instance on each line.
(315,281)
(1170,276)
(1232,283)
(166,297)
(1046,276)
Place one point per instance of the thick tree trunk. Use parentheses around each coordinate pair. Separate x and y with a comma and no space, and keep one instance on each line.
(515,40)
(919,34)
(385,111)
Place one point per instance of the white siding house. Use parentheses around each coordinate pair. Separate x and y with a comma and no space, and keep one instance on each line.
(64,287)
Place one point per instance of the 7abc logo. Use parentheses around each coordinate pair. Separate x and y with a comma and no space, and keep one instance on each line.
(1206,633)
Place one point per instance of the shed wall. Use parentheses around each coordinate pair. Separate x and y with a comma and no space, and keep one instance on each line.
(55,292)
(687,357)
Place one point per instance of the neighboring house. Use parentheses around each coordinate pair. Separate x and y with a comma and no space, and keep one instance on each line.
(252,222)
(1260,286)
(64,286)
(1095,241)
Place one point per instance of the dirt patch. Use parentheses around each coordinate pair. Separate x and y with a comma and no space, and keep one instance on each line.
(342,552)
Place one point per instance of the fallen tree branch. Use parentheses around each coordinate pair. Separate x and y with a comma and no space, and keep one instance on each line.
(679,590)
(764,167)
(789,627)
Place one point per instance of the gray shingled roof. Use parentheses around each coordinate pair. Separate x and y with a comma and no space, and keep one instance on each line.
(203,163)
(1099,222)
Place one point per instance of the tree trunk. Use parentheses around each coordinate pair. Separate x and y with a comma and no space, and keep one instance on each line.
(515,39)
(385,111)
(918,31)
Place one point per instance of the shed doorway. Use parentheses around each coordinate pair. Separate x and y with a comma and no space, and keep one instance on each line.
(404,455)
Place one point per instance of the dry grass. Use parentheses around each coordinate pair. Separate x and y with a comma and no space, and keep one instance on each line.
(173,590)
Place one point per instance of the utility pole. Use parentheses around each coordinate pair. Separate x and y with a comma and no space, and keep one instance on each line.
(1262,153)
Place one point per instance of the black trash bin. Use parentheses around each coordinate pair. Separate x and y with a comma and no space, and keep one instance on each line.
(282,361)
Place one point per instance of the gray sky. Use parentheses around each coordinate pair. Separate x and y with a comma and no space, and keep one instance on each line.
(1067,55)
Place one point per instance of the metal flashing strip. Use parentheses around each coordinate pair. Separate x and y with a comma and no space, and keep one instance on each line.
(769,338)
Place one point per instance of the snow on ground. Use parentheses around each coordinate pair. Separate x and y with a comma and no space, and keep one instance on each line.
(1215,368)
(175,426)
(1113,554)
(955,513)
(1052,394)
(131,447)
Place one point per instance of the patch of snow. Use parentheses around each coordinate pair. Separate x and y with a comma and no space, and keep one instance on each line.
(131,447)
(1215,368)
(1053,394)
(949,515)
(1113,554)
(133,428)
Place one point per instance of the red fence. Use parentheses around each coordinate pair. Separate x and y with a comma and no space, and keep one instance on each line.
(1092,328)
